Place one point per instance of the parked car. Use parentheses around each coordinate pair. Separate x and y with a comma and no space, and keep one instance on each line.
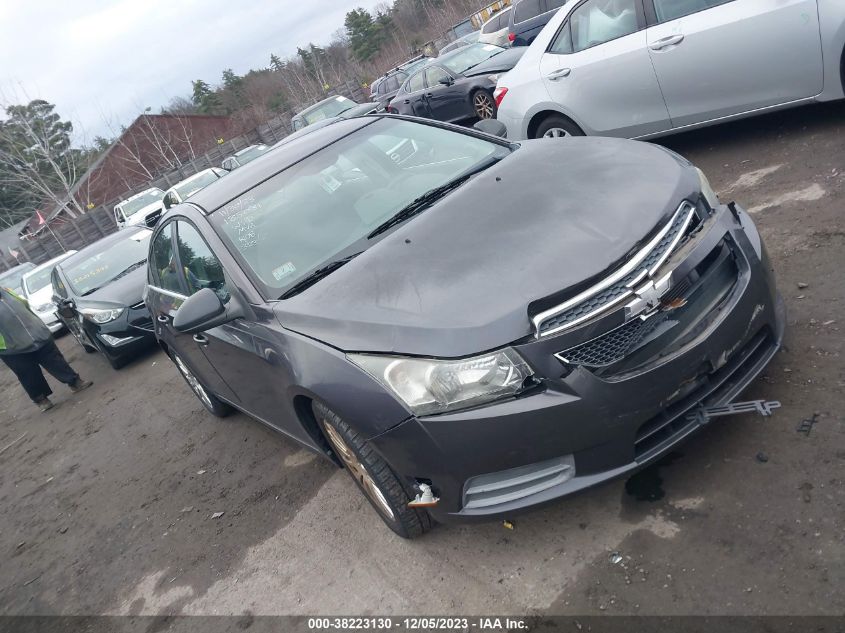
(325,109)
(445,328)
(466,40)
(38,292)
(528,18)
(142,209)
(99,294)
(382,90)
(242,157)
(362,109)
(457,86)
(610,70)
(183,190)
(12,278)
(495,30)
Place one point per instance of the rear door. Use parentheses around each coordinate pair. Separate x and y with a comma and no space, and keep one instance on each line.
(597,66)
(715,58)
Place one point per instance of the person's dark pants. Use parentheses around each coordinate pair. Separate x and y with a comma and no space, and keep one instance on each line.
(27,368)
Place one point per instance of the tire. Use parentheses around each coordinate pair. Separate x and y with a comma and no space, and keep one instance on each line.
(212,403)
(483,105)
(557,126)
(373,476)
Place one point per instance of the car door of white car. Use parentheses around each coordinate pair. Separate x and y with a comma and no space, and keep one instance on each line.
(716,58)
(597,66)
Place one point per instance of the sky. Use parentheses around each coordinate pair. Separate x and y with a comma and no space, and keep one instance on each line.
(103,61)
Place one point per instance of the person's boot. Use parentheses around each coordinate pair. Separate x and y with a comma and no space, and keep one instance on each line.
(79,385)
(44,403)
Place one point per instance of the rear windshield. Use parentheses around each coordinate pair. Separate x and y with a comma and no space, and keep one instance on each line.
(470,56)
(193,185)
(98,269)
(328,110)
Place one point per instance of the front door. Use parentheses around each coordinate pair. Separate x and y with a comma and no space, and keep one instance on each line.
(446,101)
(599,69)
(715,58)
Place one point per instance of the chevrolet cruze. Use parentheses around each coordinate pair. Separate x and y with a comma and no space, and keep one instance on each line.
(469,326)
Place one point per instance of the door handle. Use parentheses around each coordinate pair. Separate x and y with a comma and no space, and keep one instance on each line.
(200,339)
(407,101)
(559,74)
(666,42)
(162,319)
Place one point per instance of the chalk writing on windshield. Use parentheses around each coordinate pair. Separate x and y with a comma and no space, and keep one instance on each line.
(239,221)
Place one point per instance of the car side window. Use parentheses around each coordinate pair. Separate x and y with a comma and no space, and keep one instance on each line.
(433,76)
(598,21)
(551,5)
(415,83)
(493,25)
(526,10)
(162,264)
(562,43)
(200,267)
(672,9)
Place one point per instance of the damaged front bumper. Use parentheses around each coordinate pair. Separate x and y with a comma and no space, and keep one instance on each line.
(604,417)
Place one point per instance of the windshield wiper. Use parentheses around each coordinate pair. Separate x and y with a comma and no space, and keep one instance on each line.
(128,270)
(420,204)
(317,275)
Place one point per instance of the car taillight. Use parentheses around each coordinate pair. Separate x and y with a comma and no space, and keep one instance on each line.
(511,37)
(499,94)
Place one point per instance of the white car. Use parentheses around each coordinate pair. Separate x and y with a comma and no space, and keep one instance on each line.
(38,291)
(142,209)
(495,30)
(181,191)
(605,67)
(242,157)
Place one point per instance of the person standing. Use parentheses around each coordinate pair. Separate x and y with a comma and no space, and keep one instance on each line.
(26,346)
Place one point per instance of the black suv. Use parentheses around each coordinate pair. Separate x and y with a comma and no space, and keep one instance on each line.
(529,17)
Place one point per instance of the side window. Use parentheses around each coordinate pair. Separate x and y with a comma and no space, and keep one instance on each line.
(492,25)
(562,44)
(200,266)
(415,83)
(392,84)
(672,9)
(526,10)
(163,265)
(58,286)
(433,76)
(598,21)
(551,5)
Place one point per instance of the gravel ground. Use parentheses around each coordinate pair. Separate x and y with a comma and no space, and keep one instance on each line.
(107,500)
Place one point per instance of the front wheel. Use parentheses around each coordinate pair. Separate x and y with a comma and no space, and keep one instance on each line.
(372,475)
(212,403)
(483,105)
(556,126)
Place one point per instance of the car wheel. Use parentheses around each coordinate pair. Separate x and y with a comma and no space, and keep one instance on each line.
(372,475)
(483,105)
(556,126)
(212,403)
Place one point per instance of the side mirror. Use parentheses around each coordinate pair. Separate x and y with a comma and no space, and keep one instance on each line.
(168,201)
(494,127)
(66,308)
(202,311)
(446,81)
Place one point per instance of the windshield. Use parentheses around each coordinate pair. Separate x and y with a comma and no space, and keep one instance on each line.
(190,187)
(251,154)
(324,207)
(469,56)
(328,110)
(38,280)
(141,201)
(12,279)
(95,271)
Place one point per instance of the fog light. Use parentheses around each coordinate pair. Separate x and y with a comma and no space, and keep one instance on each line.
(114,341)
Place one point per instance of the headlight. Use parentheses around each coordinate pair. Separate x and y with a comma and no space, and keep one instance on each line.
(707,190)
(434,386)
(44,307)
(101,316)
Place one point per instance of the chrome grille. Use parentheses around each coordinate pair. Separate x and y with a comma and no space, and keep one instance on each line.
(618,286)
(608,348)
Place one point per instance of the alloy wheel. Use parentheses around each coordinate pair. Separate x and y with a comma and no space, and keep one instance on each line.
(193,382)
(483,104)
(356,468)
(556,132)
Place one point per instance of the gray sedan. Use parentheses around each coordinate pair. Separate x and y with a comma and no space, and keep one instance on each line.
(643,68)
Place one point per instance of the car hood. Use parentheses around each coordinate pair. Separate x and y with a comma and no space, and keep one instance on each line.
(500,63)
(459,278)
(126,291)
(42,296)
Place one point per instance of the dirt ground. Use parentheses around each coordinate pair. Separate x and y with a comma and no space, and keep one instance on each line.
(107,500)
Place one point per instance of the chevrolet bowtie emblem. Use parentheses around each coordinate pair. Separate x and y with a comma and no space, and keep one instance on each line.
(648,298)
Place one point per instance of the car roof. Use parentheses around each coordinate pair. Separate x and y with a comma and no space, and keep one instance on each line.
(276,160)
(100,244)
